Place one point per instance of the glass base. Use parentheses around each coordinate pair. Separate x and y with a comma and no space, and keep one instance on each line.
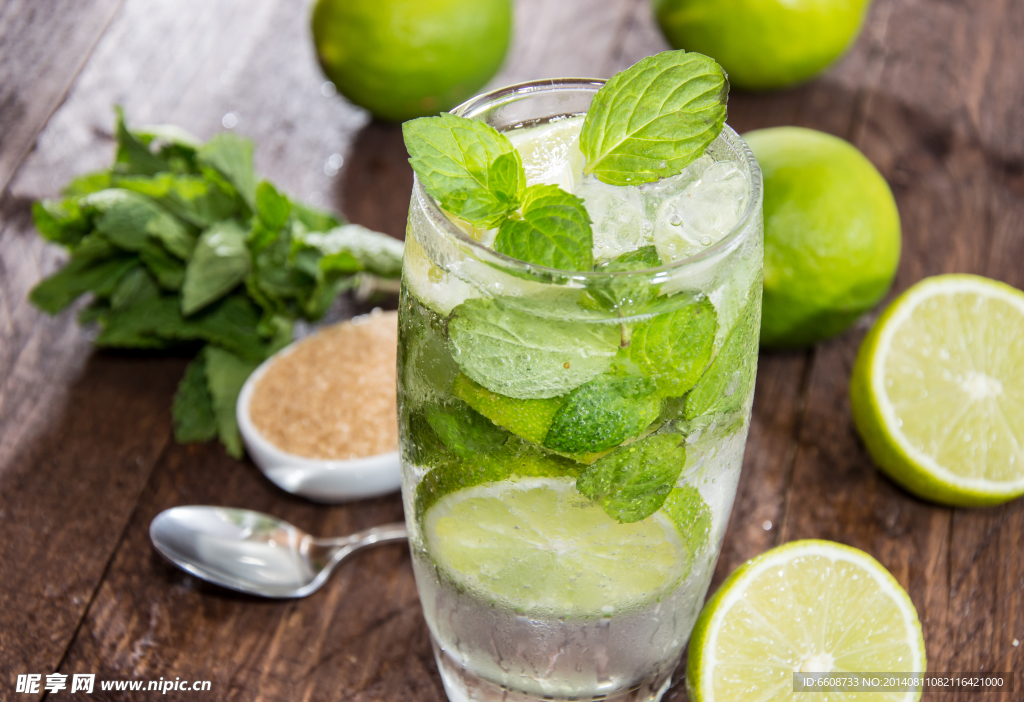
(461,685)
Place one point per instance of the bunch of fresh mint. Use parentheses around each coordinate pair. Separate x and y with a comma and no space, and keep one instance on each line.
(589,393)
(181,247)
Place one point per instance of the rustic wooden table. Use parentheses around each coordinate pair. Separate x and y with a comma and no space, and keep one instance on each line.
(933,93)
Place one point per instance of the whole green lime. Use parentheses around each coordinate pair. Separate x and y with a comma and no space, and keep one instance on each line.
(402,59)
(763,44)
(831,235)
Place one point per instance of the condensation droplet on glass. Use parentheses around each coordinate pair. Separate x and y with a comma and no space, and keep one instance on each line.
(229,121)
(328,89)
(706,240)
(675,220)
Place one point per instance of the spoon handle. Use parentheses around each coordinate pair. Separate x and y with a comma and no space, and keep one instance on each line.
(382,534)
(324,554)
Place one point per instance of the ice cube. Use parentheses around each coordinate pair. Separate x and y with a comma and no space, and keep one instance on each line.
(617,214)
(551,152)
(702,214)
(656,193)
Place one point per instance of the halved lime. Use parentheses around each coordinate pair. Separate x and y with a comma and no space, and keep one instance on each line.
(537,545)
(938,390)
(807,606)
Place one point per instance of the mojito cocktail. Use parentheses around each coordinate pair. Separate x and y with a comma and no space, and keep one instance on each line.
(577,351)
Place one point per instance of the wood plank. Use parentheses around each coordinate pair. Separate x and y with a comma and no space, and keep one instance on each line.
(42,47)
(953,170)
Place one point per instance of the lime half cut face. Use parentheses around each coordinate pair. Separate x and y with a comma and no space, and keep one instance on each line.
(536,545)
(804,607)
(938,390)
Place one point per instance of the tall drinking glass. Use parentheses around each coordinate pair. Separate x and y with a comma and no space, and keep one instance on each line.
(571,441)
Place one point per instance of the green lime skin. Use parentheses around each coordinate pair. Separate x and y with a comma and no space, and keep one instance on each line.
(402,59)
(764,44)
(831,235)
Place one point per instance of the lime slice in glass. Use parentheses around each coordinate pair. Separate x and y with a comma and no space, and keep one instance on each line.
(938,390)
(537,545)
(808,606)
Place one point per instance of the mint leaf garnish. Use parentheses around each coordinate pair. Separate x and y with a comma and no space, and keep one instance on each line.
(690,513)
(674,348)
(463,430)
(468,166)
(519,355)
(730,378)
(655,118)
(602,414)
(626,292)
(554,231)
(633,482)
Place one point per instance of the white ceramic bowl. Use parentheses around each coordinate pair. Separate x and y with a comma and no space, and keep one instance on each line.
(320,480)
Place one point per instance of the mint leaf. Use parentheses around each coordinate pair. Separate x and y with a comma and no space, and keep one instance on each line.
(617,293)
(655,118)
(272,207)
(192,411)
(674,348)
(225,375)
(191,198)
(633,482)
(168,270)
(127,219)
(61,221)
(727,383)
(554,231)
(231,156)
(427,368)
(135,286)
(519,355)
(602,414)
(692,517)
(79,276)
(351,248)
(220,262)
(133,154)
(157,323)
(88,183)
(468,166)
(464,431)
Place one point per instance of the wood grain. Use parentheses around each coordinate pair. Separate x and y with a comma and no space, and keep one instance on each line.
(43,45)
(932,93)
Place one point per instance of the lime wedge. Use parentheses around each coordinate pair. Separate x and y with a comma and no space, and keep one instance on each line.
(807,606)
(938,390)
(537,545)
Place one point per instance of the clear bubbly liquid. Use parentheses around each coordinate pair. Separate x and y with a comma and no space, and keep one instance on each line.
(488,649)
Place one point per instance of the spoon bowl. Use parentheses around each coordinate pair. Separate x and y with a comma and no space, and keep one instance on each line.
(255,553)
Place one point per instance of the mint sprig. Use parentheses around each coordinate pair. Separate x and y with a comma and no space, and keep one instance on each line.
(648,122)
(554,231)
(468,166)
(655,118)
(633,482)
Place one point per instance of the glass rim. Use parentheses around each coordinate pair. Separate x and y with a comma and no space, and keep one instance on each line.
(510,93)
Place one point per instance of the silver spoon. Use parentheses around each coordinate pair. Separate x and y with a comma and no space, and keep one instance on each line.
(253,552)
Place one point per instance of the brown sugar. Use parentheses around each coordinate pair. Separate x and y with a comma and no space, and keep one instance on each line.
(333,395)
